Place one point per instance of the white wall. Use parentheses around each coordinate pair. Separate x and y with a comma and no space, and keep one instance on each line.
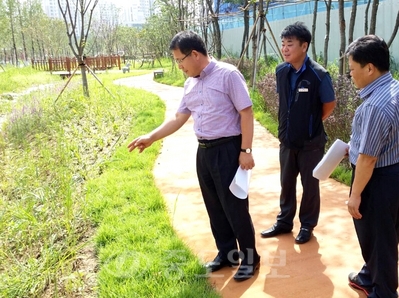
(386,17)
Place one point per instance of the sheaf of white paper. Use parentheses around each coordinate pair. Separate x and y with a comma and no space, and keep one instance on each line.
(330,160)
(240,184)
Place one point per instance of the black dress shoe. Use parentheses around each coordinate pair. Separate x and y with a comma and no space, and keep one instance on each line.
(219,263)
(304,236)
(274,231)
(246,271)
(355,283)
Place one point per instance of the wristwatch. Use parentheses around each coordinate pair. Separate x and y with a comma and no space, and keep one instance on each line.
(248,150)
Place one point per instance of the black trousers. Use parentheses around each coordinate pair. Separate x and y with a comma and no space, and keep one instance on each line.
(292,163)
(229,216)
(378,232)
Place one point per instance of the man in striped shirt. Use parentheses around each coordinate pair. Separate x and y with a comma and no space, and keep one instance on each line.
(374,154)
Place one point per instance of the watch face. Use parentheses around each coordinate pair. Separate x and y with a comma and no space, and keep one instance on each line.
(248,150)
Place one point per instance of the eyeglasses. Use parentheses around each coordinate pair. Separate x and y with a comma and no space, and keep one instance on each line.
(179,61)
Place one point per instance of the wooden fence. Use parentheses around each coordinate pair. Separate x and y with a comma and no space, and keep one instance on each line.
(67,64)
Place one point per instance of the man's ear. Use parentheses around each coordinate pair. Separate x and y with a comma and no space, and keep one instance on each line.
(194,53)
(305,46)
(371,68)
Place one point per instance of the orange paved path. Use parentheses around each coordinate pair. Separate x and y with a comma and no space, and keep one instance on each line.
(318,268)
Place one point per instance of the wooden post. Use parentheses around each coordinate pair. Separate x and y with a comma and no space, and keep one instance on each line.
(50,64)
(68,64)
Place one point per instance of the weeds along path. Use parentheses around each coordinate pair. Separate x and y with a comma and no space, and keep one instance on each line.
(317,269)
(13,96)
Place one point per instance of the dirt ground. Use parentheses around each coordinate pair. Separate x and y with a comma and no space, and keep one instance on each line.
(318,268)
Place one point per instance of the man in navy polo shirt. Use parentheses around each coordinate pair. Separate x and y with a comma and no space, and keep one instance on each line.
(306,98)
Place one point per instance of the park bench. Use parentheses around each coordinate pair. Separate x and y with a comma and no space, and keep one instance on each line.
(158,73)
(63,74)
(148,58)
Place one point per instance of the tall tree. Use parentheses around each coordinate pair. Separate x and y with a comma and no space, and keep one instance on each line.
(395,30)
(11,14)
(128,39)
(22,26)
(327,38)
(77,15)
(342,27)
(245,35)
(105,26)
(35,26)
(4,33)
(313,44)
(373,19)
(366,17)
(255,39)
(352,21)
(216,33)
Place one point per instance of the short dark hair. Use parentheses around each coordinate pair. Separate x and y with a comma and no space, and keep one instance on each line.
(370,49)
(299,31)
(187,41)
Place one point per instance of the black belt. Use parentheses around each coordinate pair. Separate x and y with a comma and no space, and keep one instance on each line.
(216,142)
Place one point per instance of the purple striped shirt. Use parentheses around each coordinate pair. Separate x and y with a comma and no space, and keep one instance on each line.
(214,100)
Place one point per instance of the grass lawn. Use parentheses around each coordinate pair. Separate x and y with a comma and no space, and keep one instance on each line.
(79,215)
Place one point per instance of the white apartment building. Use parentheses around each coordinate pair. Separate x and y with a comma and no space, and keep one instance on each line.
(51,9)
(131,13)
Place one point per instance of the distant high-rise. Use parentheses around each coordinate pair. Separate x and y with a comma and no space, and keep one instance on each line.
(51,9)
(131,13)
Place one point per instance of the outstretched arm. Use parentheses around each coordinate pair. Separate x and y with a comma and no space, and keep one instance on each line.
(167,128)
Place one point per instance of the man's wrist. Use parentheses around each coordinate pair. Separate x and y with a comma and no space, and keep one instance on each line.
(246,150)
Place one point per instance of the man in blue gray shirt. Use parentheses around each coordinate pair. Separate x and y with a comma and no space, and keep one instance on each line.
(374,155)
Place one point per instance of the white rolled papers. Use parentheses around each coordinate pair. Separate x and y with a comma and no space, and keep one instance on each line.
(331,160)
(240,184)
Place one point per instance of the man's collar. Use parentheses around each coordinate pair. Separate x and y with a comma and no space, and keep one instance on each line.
(303,67)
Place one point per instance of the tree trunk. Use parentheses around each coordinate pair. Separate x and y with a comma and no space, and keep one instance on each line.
(246,29)
(43,49)
(257,47)
(327,38)
(180,12)
(204,25)
(342,26)
(395,31)
(373,19)
(264,30)
(25,52)
(33,49)
(254,45)
(314,54)
(85,85)
(218,34)
(217,39)
(366,18)
(352,21)
(11,13)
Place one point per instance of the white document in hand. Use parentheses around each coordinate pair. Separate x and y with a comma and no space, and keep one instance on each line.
(240,184)
(331,160)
